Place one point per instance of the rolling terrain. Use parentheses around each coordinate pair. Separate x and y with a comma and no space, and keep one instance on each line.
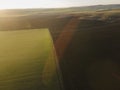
(86,42)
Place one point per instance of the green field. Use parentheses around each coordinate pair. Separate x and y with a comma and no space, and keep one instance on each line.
(86,41)
(27,61)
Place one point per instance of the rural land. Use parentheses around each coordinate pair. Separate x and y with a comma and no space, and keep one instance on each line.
(76,48)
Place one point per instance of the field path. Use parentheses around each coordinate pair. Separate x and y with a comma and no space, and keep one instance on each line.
(52,66)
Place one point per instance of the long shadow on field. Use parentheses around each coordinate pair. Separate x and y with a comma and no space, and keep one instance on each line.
(90,60)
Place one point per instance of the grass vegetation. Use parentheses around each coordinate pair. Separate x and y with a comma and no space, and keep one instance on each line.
(24,56)
(90,59)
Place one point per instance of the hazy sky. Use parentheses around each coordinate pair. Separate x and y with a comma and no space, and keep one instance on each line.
(51,3)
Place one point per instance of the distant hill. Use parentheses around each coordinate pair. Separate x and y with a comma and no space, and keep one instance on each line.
(49,11)
(97,7)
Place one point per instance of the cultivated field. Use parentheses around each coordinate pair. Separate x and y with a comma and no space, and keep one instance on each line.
(27,61)
(86,41)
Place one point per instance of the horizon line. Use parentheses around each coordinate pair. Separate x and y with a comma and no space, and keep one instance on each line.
(20,8)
